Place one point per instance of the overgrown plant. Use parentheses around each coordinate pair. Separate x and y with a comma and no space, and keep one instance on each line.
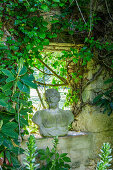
(105,99)
(31,152)
(105,157)
(14,94)
(26,35)
(54,160)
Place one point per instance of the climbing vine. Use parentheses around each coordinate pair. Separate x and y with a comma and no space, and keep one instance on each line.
(26,27)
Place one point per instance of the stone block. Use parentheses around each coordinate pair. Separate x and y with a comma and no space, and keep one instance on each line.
(78,145)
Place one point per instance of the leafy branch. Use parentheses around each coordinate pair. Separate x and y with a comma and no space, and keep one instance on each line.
(54,73)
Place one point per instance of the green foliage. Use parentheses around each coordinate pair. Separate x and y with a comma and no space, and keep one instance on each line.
(25,35)
(105,157)
(30,162)
(54,160)
(105,99)
(14,112)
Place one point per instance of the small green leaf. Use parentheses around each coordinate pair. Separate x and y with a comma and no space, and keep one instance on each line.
(15,161)
(109,81)
(45,7)
(7,86)
(96,99)
(9,79)
(46,42)
(42,35)
(23,71)
(3,103)
(8,156)
(63,155)
(29,83)
(23,87)
(7,72)
(66,159)
(10,126)
(56,0)
(1,139)
(7,143)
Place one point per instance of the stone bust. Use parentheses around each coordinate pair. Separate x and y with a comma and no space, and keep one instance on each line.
(53,121)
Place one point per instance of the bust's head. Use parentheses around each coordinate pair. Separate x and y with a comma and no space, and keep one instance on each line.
(52,97)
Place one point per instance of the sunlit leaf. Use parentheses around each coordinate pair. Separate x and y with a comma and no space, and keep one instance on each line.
(23,71)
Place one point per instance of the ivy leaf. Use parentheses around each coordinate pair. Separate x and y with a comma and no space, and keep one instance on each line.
(42,35)
(46,42)
(61,4)
(45,7)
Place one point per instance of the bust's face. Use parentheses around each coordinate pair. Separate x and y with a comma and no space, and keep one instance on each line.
(52,98)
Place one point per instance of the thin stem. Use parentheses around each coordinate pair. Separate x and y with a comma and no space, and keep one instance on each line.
(108,10)
(40,99)
(53,85)
(42,71)
(80,12)
(91,3)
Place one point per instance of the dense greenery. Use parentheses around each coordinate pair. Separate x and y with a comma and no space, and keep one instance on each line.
(31,153)
(53,159)
(25,29)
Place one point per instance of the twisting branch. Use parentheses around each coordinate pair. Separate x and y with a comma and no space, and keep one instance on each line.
(108,10)
(42,71)
(53,85)
(54,73)
(94,77)
(40,98)
(91,4)
(80,12)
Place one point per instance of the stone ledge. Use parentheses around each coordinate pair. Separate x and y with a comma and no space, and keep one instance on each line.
(70,134)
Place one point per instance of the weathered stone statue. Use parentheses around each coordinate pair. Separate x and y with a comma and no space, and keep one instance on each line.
(53,121)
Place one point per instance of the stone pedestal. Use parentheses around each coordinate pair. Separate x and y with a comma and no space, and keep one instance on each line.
(78,145)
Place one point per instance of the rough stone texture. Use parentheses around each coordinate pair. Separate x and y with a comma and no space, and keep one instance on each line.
(91,119)
(78,145)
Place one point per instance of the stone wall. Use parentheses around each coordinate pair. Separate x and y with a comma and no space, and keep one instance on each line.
(91,118)
(78,145)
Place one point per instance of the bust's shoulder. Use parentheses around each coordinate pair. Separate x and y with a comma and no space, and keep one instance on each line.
(65,111)
(41,112)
